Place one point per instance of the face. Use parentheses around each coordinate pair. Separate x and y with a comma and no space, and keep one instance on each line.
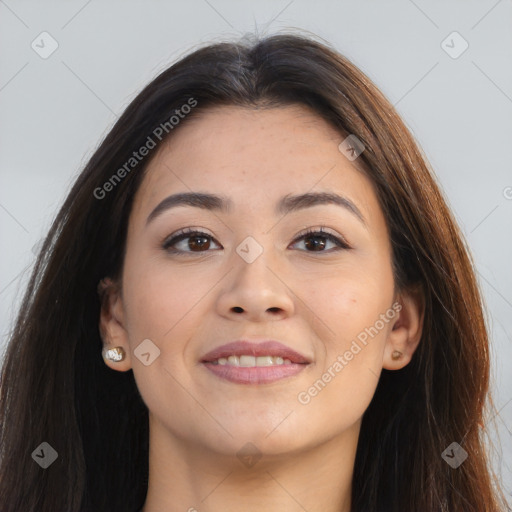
(254,272)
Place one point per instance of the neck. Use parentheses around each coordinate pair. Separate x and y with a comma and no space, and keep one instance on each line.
(184,476)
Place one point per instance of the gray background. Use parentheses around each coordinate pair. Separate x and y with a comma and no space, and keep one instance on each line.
(54,112)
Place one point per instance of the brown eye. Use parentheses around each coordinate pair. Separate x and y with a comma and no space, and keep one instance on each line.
(316,241)
(319,242)
(197,242)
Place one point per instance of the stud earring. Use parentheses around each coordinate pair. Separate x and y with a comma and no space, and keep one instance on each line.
(396,355)
(115,354)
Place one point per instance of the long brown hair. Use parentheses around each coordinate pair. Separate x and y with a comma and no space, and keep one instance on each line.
(55,387)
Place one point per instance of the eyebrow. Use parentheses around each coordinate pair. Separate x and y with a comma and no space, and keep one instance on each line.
(286,204)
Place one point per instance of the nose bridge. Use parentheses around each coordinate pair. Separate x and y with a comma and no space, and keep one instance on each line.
(253,260)
(255,287)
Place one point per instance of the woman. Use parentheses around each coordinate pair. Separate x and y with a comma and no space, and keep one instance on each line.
(254,297)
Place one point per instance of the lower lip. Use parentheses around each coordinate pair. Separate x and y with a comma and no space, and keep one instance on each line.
(255,374)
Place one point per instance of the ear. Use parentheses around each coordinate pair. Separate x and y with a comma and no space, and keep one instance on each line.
(112,323)
(405,334)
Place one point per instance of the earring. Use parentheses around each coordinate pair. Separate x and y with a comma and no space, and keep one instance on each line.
(396,355)
(115,354)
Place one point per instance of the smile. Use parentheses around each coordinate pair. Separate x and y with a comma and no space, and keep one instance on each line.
(246,362)
(250,361)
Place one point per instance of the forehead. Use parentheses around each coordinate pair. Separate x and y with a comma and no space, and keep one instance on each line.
(255,156)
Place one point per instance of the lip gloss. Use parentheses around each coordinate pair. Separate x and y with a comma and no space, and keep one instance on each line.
(254,374)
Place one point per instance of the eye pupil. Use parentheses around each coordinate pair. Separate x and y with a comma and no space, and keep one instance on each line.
(199,242)
(316,244)
(198,237)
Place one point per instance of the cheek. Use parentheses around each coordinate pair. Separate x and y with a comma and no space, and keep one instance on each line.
(352,308)
(350,302)
(151,310)
(159,301)
(159,306)
(349,366)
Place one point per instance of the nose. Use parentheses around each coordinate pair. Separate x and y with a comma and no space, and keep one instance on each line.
(256,291)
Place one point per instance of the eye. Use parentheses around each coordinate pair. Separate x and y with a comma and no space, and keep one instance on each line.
(198,241)
(320,239)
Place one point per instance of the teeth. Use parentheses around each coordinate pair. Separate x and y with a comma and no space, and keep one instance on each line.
(251,361)
(234,360)
(247,361)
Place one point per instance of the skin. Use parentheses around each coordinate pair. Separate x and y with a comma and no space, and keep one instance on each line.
(312,301)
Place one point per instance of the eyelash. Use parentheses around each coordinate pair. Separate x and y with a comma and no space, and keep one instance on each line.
(340,242)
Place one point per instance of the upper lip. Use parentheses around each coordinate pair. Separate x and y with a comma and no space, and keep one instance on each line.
(263,348)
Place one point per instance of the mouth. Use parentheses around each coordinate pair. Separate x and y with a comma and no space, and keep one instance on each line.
(245,362)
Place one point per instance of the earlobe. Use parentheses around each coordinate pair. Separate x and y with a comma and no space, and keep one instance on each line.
(115,352)
(405,335)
